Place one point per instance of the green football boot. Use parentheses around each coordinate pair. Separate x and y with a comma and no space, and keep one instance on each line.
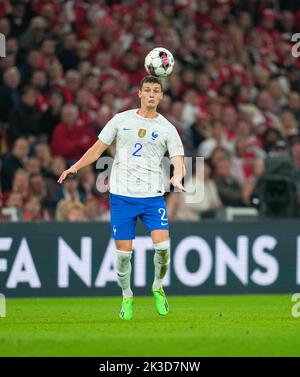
(126,311)
(161,301)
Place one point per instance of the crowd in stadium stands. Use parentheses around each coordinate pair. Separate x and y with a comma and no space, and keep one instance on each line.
(234,95)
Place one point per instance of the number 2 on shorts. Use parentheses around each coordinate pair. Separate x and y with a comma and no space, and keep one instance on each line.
(164,219)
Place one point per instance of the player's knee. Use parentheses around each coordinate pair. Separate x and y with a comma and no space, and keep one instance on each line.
(125,245)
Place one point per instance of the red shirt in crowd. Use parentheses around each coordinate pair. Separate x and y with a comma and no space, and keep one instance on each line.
(71,142)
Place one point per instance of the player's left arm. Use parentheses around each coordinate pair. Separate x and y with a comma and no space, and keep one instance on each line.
(179,172)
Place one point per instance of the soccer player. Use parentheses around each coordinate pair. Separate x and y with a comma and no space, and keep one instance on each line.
(136,189)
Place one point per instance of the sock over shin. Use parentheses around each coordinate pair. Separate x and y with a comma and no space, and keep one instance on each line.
(123,267)
(161,262)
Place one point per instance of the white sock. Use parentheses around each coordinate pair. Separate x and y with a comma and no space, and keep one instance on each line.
(161,262)
(123,267)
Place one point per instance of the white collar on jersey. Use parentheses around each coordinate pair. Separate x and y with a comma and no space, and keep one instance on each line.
(151,119)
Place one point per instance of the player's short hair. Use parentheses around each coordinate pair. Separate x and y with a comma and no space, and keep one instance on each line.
(152,80)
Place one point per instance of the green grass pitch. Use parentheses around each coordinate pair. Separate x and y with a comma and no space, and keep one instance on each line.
(254,325)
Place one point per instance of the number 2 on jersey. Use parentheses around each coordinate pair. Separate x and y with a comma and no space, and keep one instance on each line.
(138,147)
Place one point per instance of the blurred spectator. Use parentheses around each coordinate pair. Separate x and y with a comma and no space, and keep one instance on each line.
(34,35)
(174,90)
(70,190)
(76,212)
(199,131)
(92,210)
(57,166)
(51,174)
(70,138)
(73,81)
(175,115)
(15,202)
(83,50)
(33,166)
(230,191)
(190,108)
(32,62)
(229,119)
(269,139)
(66,51)
(42,152)
(294,106)
(19,17)
(24,121)
(32,210)
(103,115)
(92,84)
(62,210)
(68,210)
(5,27)
(39,190)
(86,180)
(39,83)
(207,199)
(20,184)
(296,160)
(217,155)
(218,138)
(48,50)
(289,124)
(13,161)
(51,117)
(85,106)
(9,93)
(242,160)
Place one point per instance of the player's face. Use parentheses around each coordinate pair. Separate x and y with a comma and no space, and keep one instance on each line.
(150,95)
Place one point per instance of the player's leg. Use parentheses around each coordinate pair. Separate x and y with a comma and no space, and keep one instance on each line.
(161,259)
(123,268)
(123,221)
(155,219)
(161,244)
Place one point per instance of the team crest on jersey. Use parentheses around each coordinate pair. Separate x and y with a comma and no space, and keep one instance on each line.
(142,132)
(154,135)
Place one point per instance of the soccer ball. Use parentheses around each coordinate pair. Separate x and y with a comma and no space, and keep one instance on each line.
(159,62)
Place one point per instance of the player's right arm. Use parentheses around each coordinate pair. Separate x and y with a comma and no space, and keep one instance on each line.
(90,156)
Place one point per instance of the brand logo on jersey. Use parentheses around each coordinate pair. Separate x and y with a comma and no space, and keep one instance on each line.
(142,132)
(126,129)
(114,229)
(154,135)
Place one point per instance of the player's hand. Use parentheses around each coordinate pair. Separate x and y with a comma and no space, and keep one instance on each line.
(177,184)
(65,173)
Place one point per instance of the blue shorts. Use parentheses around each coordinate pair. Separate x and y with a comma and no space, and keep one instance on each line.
(125,210)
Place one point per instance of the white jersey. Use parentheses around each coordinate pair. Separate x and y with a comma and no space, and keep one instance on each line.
(141,144)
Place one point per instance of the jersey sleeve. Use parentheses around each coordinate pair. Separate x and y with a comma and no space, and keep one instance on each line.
(109,132)
(174,143)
